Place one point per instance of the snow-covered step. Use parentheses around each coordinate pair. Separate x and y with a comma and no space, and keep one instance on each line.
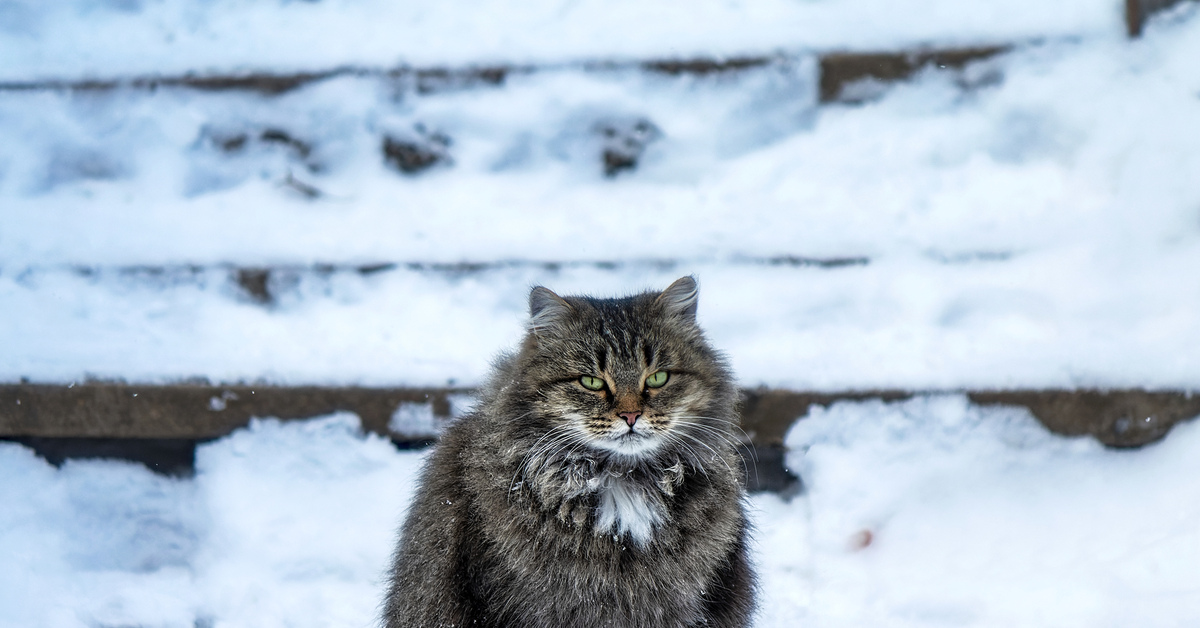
(1031,320)
(742,164)
(96,38)
(1019,233)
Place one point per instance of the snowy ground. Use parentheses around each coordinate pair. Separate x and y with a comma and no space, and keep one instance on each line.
(976,517)
(1033,221)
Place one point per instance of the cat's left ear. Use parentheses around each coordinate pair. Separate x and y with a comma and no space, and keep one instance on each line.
(681,298)
(546,309)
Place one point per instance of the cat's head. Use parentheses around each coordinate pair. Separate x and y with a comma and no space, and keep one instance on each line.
(631,378)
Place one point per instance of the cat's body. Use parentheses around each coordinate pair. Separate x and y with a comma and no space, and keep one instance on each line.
(595,485)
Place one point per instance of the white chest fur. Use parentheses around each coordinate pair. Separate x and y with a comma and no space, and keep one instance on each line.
(626,509)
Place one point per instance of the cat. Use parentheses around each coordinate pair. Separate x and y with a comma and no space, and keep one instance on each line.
(596,483)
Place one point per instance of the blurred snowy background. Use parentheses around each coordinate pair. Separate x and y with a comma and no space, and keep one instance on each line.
(1030,220)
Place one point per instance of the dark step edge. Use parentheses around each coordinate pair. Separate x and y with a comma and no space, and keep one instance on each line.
(1117,418)
(461,266)
(160,426)
(1139,12)
(263,283)
(836,68)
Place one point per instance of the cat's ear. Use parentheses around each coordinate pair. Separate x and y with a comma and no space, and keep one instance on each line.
(546,309)
(680,298)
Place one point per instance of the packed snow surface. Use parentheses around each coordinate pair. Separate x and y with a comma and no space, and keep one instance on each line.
(926,513)
(107,38)
(1029,221)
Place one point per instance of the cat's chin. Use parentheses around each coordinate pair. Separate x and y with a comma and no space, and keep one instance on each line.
(630,444)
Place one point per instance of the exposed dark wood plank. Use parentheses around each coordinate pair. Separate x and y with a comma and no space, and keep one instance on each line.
(119,410)
(768,413)
(160,426)
(1138,12)
(166,456)
(424,80)
(840,69)
(704,66)
(1117,418)
(837,68)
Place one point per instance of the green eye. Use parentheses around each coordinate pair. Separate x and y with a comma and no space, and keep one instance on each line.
(591,383)
(657,379)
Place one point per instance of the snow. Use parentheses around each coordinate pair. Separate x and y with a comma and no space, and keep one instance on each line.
(1024,223)
(414,421)
(980,517)
(977,517)
(106,38)
(283,524)
(1028,222)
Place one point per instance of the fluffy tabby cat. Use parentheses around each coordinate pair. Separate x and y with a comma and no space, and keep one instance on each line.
(595,485)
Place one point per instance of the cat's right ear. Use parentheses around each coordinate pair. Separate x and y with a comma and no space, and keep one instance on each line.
(546,309)
(680,298)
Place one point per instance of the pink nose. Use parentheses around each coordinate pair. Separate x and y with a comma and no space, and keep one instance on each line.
(631,417)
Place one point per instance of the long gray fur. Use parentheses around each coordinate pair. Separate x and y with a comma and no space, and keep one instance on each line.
(528,514)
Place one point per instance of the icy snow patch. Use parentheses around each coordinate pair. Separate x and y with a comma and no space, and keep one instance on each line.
(414,420)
